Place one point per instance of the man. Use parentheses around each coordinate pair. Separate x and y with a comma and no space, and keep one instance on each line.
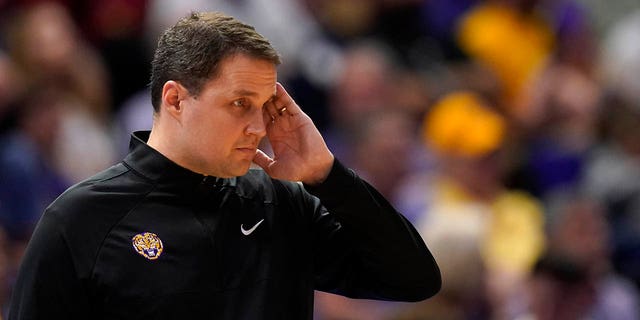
(182,229)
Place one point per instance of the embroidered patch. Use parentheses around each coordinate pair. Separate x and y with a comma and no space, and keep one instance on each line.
(147,245)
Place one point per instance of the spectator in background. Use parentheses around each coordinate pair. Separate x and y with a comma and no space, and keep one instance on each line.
(512,39)
(28,175)
(612,176)
(7,90)
(30,180)
(465,195)
(559,117)
(440,18)
(574,280)
(115,28)
(463,294)
(362,87)
(612,172)
(346,21)
(620,57)
(47,49)
(388,132)
(558,289)
(45,45)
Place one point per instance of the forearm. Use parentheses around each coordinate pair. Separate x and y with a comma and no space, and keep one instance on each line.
(393,251)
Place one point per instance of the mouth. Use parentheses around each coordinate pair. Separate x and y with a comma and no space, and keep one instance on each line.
(249,151)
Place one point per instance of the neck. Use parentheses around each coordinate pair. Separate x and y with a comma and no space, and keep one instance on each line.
(157,140)
(160,139)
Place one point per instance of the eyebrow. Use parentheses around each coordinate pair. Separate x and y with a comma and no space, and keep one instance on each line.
(244,92)
(249,93)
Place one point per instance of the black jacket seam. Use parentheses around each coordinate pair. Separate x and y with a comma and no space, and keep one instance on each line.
(95,259)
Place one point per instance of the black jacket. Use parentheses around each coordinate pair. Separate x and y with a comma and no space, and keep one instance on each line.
(148,239)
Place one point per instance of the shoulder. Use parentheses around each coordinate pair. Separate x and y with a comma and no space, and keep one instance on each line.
(85,213)
(100,200)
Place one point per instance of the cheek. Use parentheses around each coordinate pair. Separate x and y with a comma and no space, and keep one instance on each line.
(198,123)
(207,139)
(213,136)
(196,133)
(212,129)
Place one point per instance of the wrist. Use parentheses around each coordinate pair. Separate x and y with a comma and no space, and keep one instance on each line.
(320,174)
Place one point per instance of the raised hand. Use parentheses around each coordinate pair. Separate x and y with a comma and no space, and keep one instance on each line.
(300,153)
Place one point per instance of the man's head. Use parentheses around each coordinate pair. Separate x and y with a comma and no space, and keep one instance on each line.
(211,77)
(190,52)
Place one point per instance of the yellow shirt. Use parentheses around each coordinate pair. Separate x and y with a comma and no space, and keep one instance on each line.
(514,46)
(509,230)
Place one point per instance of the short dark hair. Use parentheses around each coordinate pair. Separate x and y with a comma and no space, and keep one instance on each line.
(190,51)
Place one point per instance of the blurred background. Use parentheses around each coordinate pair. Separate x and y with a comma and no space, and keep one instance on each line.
(507,131)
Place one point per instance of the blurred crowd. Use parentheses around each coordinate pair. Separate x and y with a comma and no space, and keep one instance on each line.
(507,131)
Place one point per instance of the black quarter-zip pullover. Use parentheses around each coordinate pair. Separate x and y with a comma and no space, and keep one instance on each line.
(148,239)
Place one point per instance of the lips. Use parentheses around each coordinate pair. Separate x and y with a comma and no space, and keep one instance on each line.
(248,147)
(249,151)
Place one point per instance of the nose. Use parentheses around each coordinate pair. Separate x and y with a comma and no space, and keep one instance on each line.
(257,125)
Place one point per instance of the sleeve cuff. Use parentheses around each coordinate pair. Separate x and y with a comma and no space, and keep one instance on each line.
(339,178)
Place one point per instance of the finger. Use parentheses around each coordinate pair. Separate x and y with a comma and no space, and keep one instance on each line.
(271,108)
(282,111)
(284,100)
(267,118)
(263,160)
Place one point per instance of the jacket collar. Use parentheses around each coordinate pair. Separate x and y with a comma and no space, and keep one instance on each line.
(154,166)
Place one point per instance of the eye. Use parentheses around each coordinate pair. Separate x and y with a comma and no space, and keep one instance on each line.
(241,103)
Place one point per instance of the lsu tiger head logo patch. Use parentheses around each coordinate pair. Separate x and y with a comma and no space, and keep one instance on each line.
(147,245)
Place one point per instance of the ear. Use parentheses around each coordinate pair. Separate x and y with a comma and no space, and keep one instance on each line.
(173,93)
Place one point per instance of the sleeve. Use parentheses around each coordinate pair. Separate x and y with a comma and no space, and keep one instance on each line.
(47,286)
(365,248)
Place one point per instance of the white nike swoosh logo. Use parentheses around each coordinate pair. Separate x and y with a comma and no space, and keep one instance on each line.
(249,231)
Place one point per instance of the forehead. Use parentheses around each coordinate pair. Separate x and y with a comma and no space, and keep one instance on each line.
(243,72)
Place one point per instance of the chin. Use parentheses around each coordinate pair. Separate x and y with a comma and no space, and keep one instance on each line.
(239,171)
